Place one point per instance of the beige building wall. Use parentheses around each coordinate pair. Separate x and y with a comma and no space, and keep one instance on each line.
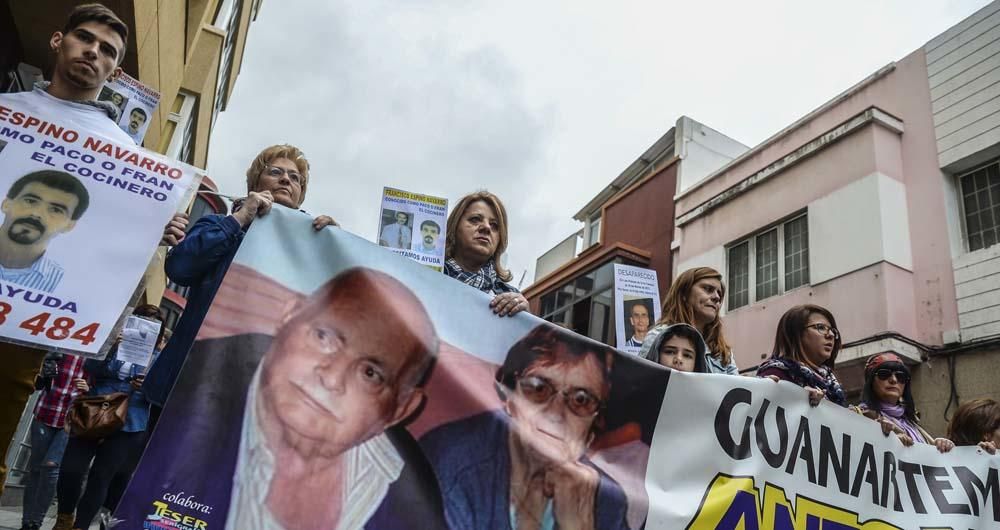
(975,377)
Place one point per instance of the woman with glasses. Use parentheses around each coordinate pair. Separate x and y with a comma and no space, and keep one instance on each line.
(695,299)
(888,399)
(525,466)
(475,241)
(201,256)
(805,349)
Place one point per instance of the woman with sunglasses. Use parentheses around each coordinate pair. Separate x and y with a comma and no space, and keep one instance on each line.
(888,399)
(525,466)
(805,349)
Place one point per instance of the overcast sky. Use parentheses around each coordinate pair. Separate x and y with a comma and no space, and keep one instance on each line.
(542,103)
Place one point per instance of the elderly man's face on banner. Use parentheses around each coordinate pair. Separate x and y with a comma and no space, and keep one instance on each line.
(333,381)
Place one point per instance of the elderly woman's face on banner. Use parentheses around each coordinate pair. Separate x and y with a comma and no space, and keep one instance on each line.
(554,405)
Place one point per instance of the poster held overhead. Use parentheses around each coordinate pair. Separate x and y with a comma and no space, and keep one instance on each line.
(82,218)
(136,104)
(637,300)
(138,340)
(413,225)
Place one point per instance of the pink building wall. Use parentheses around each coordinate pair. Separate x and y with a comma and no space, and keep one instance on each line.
(882,297)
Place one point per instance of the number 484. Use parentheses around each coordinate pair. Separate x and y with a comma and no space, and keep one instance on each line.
(62,328)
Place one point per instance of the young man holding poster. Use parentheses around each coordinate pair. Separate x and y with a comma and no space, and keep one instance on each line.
(88,52)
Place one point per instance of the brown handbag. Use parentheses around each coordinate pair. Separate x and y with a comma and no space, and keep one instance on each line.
(96,417)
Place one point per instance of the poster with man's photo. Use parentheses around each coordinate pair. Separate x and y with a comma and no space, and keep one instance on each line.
(334,386)
(82,217)
(413,225)
(136,104)
(637,298)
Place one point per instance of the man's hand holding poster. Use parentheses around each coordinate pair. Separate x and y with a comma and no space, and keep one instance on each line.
(365,391)
(82,217)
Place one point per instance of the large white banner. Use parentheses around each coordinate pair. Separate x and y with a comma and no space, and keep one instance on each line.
(637,305)
(743,453)
(515,419)
(82,217)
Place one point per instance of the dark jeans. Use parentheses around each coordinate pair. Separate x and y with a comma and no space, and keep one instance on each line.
(47,446)
(121,479)
(109,456)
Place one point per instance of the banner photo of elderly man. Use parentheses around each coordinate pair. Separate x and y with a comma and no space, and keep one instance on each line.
(337,386)
(82,218)
(413,225)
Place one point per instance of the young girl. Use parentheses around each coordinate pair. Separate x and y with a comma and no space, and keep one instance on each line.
(680,347)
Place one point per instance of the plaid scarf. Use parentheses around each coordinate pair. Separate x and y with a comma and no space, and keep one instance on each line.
(803,376)
(485,279)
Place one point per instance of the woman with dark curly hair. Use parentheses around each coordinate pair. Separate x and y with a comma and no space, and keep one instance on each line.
(525,466)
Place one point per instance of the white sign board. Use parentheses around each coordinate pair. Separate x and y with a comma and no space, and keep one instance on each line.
(637,305)
(413,225)
(138,340)
(136,104)
(82,217)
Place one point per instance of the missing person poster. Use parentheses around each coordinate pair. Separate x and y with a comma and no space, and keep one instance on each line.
(139,337)
(637,304)
(336,386)
(82,217)
(136,104)
(413,225)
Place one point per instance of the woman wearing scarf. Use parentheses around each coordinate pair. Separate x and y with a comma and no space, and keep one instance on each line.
(887,399)
(475,241)
(805,350)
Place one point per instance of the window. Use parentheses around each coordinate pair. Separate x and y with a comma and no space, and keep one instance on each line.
(739,281)
(585,305)
(227,19)
(796,253)
(180,124)
(182,290)
(172,313)
(981,202)
(594,230)
(768,263)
